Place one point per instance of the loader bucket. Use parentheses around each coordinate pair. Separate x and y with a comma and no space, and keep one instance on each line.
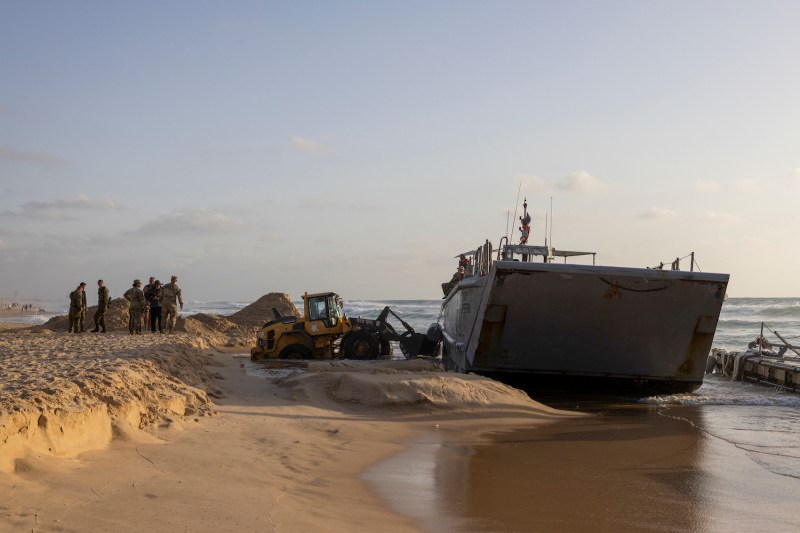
(414,344)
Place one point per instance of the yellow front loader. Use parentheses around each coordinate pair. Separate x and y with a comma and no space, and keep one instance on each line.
(325,332)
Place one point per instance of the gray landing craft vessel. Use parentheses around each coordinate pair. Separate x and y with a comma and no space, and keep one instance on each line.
(539,325)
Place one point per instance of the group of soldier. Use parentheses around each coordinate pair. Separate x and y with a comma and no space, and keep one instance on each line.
(144,305)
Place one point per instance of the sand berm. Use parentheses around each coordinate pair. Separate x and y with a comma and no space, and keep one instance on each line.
(168,432)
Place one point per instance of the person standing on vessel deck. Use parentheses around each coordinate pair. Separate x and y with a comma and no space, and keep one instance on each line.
(169,293)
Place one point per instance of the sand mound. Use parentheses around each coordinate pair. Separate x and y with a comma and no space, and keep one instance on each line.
(410,383)
(259,312)
(65,394)
(116,318)
(218,330)
(234,330)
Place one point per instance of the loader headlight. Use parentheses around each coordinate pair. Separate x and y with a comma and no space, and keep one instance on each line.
(260,335)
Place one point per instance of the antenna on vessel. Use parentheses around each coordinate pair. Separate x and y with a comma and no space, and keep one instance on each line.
(508,218)
(551,220)
(546,218)
(515,210)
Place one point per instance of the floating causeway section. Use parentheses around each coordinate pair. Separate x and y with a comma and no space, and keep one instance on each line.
(780,372)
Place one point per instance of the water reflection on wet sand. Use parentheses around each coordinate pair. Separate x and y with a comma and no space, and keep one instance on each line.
(627,467)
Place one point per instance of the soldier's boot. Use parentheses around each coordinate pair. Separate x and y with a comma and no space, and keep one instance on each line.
(96,328)
(103,330)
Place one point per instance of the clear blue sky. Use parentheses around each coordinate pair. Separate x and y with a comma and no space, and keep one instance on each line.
(251,147)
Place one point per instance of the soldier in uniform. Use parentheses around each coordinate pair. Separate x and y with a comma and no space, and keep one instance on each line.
(136,303)
(82,314)
(169,293)
(103,301)
(146,290)
(75,306)
(153,297)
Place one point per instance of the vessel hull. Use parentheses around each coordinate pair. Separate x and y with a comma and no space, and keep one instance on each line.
(626,330)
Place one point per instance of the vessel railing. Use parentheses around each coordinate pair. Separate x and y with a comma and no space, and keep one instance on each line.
(783,345)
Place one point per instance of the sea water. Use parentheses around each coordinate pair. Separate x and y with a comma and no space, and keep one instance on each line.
(741,469)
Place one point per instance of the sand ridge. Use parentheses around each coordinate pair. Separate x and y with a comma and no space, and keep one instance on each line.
(63,394)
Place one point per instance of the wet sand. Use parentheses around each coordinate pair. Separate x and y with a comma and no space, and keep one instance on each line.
(626,468)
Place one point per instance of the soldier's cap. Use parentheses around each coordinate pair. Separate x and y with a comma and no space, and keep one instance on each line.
(82,284)
(136,281)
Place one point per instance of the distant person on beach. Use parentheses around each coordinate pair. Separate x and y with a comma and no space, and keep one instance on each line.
(75,306)
(153,296)
(169,294)
(103,301)
(82,315)
(147,307)
(136,304)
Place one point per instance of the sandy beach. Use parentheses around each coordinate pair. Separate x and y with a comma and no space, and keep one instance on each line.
(166,433)
(153,432)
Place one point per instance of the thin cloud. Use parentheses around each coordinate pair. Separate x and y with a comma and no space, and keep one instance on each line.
(750,186)
(533,184)
(719,218)
(314,203)
(59,209)
(19,156)
(794,174)
(706,186)
(309,146)
(657,213)
(39,213)
(271,237)
(79,202)
(579,182)
(320,204)
(192,221)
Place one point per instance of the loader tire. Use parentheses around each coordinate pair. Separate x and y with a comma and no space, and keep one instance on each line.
(361,345)
(296,351)
(386,348)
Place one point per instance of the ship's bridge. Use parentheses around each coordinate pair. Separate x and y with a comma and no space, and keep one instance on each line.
(480,259)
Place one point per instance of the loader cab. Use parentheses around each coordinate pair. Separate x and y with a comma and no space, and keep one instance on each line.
(323,312)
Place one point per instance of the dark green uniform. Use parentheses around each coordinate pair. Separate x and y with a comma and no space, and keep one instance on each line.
(82,314)
(103,301)
(75,307)
(169,293)
(137,304)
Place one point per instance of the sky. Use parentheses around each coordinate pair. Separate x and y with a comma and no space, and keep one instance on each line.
(359,146)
